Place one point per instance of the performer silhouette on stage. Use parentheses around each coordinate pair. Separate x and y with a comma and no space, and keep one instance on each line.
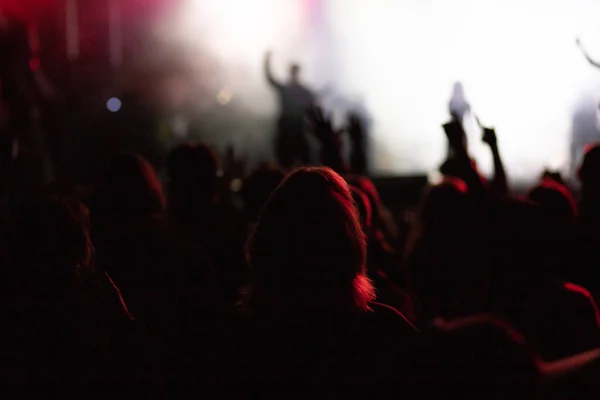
(291,144)
(459,108)
(586,124)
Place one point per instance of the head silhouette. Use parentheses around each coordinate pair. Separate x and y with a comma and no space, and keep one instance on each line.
(295,73)
(49,242)
(589,172)
(458,91)
(258,187)
(555,198)
(193,180)
(128,186)
(589,176)
(559,221)
(308,249)
(446,206)
(443,258)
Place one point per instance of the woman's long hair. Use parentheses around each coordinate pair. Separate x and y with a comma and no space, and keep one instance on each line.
(308,249)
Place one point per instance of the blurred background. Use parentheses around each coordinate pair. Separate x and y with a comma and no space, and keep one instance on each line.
(149,74)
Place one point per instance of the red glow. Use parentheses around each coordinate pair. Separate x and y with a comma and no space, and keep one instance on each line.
(458,184)
(584,292)
(576,288)
(34,64)
(26,10)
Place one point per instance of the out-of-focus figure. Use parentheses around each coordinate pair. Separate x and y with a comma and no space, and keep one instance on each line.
(291,143)
(459,108)
(15,75)
(584,130)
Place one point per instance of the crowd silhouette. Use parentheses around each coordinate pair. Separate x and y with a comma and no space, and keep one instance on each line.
(208,281)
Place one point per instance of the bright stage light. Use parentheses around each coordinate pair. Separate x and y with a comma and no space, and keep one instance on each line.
(224,97)
(517,59)
(239,28)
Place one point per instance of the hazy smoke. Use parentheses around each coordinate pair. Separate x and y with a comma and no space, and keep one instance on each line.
(518,62)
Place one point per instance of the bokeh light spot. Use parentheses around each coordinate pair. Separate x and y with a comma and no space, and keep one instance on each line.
(113,104)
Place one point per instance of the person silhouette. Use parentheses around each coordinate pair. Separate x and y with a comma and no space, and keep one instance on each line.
(585,130)
(311,322)
(458,107)
(578,118)
(291,144)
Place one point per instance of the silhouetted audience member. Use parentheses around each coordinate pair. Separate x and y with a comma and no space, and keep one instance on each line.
(169,285)
(555,197)
(258,187)
(589,175)
(477,357)
(201,214)
(557,318)
(282,285)
(66,328)
(588,251)
(561,221)
(381,258)
(357,132)
(193,180)
(460,165)
(312,325)
(445,268)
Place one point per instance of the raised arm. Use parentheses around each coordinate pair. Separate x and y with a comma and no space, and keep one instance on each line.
(329,139)
(587,56)
(358,154)
(499,183)
(268,72)
(459,165)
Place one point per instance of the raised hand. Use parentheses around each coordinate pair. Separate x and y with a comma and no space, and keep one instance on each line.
(330,139)
(321,126)
(499,183)
(489,134)
(489,137)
